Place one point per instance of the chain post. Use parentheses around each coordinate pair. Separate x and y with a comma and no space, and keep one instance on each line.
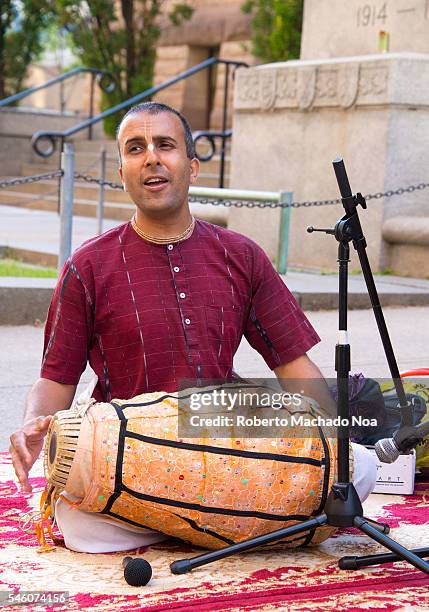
(91,105)
(66,204)
(282,252)
(100,207)
(224,124)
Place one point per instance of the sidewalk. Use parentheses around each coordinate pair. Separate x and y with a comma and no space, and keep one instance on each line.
(25,300)
(22,348)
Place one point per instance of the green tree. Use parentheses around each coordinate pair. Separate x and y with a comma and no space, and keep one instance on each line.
(22,23)
(276,28)
(120,37)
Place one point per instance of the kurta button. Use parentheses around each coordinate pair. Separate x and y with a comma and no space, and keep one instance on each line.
(170,247)
(183,295)
(176,269)
(188,321)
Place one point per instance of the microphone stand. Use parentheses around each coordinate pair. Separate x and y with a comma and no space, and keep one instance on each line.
(343,507)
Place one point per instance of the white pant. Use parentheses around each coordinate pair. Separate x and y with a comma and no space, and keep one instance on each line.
(96,533)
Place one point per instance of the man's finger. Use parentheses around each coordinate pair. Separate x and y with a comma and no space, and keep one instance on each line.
(20,471)
(18,465)
(18,443)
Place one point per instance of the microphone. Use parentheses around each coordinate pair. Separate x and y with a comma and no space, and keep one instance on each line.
(405,439)
(137,572)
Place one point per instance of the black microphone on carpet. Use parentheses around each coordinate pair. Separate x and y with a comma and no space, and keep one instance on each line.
(137,572)
(404,440)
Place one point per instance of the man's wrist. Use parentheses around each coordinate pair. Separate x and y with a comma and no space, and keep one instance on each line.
(35,412)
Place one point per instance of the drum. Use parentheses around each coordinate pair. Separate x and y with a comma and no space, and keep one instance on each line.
(124,459)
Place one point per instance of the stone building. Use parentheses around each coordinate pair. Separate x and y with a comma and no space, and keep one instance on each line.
(215,29)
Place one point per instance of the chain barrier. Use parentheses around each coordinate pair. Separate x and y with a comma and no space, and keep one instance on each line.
(24,180)
(266,203)
(261,203)
(87,178)
(216,202)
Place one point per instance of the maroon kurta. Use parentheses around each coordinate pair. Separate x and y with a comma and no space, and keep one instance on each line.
(148,316)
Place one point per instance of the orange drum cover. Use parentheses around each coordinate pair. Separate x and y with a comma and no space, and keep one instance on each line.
(130,465)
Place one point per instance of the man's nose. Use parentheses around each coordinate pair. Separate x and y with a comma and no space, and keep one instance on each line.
(151,156)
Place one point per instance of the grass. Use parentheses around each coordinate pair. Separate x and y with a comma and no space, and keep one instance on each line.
(12,267)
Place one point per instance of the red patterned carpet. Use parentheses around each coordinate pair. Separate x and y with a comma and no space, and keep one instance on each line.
(304,580)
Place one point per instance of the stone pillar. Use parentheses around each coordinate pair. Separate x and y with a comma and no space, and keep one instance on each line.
(335,28)
(291,119)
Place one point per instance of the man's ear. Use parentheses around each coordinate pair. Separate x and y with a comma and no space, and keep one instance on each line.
(195,169)
(122,177)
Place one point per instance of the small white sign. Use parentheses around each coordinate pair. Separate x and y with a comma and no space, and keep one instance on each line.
(396,478)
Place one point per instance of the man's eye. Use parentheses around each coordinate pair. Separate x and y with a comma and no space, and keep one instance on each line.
(165,145)
(135,148)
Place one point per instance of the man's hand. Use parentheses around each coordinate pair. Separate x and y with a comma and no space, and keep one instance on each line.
(45,398)
(25,447)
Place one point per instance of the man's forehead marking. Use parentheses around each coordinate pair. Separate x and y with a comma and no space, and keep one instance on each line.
(148,119)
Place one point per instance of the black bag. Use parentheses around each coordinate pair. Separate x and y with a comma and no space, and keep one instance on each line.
(368,402)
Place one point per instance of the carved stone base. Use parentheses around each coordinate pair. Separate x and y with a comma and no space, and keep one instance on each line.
(291,119)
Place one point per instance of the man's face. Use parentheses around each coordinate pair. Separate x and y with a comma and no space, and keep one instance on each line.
(155,169)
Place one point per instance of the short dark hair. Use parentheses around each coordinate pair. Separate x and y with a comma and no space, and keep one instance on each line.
(154,108)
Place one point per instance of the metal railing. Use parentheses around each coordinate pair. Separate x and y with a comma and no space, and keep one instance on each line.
(104,79)
(210,136)
(282,199)
(52,136)
(266,198)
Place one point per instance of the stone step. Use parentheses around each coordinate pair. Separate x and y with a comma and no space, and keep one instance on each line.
(29,169)
(112,210)
(87,164)
(87,191)
(94,146)
(30,194)
(207,169)
(208,177)
(49,202)
(92,159)
(82,190)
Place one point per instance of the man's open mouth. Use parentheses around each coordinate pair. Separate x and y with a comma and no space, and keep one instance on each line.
(154,181)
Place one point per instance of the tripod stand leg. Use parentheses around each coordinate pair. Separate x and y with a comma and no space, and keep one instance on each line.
(182,566)
(399,550)
(352,562)
(382,527)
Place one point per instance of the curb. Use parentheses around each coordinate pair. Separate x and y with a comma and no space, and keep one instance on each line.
(24,305)
(359,301)
(29,305)
(37,258)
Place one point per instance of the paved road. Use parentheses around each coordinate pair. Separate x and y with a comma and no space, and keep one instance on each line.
(409,328)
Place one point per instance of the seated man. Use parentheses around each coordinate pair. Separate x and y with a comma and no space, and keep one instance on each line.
(157,300)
